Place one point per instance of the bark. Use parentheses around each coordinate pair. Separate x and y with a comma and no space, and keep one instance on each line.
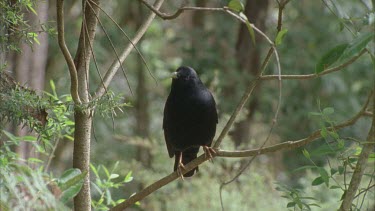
(82,114)
(248,59)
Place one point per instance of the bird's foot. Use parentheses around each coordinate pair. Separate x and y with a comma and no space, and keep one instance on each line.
(179,170)
(209,151)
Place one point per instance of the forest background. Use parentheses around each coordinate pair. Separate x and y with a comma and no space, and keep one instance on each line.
(293,82)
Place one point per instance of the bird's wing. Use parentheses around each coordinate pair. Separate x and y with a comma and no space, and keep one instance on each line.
(166,131)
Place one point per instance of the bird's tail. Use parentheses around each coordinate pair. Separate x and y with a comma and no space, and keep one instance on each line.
(187,156)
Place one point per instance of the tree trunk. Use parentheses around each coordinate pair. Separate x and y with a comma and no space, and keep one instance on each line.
(141,106)
(248,59)
(83,115)
(29,69)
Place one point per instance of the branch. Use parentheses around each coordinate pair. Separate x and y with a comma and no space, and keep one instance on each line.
(310,76)
(117,63)
(360,168)
(66,53)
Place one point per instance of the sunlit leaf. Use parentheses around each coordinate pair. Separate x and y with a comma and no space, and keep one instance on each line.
(236,5)
(280,36)
(128,177)
(306,153)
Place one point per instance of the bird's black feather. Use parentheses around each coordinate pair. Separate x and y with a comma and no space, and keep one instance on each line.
(190,117)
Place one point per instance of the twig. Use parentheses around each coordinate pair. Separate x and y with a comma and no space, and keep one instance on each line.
(310,76)
(127,38)
(116,64)
(66,53)
(294,144)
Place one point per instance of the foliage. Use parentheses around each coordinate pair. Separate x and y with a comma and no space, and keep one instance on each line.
(105,180)
(14,25)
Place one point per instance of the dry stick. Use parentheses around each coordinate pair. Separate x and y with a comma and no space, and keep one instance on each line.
(128,39)
(115,65)
(64,49)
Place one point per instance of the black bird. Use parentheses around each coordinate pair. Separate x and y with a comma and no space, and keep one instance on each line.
(190,119)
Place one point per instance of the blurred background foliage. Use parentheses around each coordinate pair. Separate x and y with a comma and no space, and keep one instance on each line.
(209,42)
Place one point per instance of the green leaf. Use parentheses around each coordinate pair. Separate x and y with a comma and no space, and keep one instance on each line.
(93,169)
(330,57)
(357,45)
(315,114)
(328,111)
(313,204)
(333,171)
(70,183)
(324,174)
(341,169)
(280,36)
(317,181)
(113,176)
(324,132)
(236,5)
(306,153)
(335,187)
(249,27)
(34,160)
(303,168)
(128,177)
(291,204)
(334,135)
(69,178)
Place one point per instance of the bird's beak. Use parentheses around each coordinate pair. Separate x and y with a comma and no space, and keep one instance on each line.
(174,75)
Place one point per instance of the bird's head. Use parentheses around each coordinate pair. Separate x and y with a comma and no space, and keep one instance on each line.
(185,78)
(184,74)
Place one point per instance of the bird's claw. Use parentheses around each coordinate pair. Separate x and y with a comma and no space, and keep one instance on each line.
(209,151)
(179,170)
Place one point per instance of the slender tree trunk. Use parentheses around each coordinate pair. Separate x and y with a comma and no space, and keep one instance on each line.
(82,114)
(142,103)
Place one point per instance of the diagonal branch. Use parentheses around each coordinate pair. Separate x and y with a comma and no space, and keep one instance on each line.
(360,168)
(117,63)
(66,53)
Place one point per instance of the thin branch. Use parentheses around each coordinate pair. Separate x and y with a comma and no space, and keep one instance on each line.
(116,64)
(294,144)
(66,53)
(127,39)
(310,76)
